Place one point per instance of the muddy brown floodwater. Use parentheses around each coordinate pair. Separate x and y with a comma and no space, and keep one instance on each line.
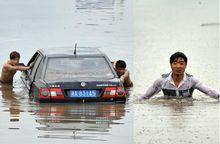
(23,119)
(28,25)
(161,29)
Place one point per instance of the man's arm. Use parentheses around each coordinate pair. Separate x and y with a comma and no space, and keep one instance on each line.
(22,68)
(154,89)
(124,76)
(205,89)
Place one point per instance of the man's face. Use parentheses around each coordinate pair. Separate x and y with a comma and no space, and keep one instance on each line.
(178,66)
(120,71)
(15,61)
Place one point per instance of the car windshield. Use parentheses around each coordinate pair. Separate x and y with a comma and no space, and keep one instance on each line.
(72,68)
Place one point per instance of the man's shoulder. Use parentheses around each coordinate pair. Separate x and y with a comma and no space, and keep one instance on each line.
(126,74)
(126,70)
(189,75)
(166,75)
(6,65)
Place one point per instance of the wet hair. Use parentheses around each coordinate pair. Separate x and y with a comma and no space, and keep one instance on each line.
(14,55)
(177,55)
(120,64)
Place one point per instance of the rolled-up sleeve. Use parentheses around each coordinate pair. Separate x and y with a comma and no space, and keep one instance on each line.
(205,89)
(152,90)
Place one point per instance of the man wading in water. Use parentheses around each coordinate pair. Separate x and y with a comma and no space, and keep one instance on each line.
(11,67)
(178,83)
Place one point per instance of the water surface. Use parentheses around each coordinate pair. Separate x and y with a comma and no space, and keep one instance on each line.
(161,29)
(28,25)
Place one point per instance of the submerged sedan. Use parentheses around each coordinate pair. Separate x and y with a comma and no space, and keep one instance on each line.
(65,74)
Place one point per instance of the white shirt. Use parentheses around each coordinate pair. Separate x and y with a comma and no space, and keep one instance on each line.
(187,83)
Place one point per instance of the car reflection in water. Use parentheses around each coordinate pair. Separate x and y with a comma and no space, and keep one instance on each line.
(96,4)
(78,121)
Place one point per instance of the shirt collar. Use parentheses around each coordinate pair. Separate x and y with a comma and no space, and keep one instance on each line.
(172,82)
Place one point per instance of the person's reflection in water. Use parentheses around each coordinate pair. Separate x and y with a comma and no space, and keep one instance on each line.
(85,121)
(11,101)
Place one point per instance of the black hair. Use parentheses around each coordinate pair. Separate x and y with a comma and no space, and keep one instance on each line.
(120,64)
(177,55)
(14,55)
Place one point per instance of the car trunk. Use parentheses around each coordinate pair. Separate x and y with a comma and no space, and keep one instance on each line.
(85,89)
(95,90)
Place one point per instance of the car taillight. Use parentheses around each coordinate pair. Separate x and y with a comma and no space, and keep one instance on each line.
(53,93)
(109,92)
(56,93)
(44,93)
(120,91)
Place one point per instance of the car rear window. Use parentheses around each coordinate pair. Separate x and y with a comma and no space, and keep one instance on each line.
(72,68)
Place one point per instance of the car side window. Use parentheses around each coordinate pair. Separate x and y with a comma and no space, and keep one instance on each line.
(35,67)
(33,60)
(39,70)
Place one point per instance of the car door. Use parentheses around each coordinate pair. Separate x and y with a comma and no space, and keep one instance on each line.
(29,75)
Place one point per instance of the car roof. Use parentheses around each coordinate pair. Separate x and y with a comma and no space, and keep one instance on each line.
(69,51)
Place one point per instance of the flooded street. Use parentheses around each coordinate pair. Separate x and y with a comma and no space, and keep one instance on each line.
(29,25)
(144,34)
(161,29)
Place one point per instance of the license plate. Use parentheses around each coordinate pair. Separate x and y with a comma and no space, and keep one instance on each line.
(83,93)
